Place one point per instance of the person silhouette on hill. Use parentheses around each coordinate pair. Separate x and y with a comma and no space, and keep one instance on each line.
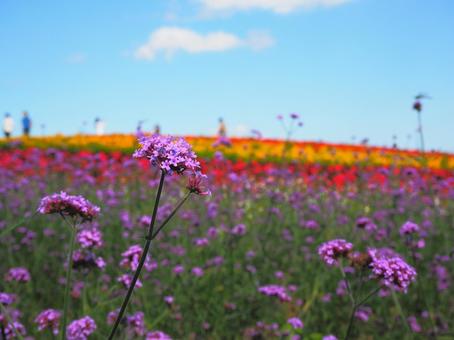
(26,124)
(8,125)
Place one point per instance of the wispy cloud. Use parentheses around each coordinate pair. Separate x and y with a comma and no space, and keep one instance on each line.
(170,40)
(76,58)
(277,6)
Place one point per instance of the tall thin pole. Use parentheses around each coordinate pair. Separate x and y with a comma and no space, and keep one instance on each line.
(421,134)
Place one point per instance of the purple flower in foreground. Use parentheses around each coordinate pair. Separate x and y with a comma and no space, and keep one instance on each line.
(392,271)
(168,153)
(157,335)
(68,205)
(332,250)
(81,329)
(296,323)
(275,290)
(18,274)
(49,319)
(409,228)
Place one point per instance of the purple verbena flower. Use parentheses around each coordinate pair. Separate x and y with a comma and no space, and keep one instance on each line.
(18,274)
(49,319)
(80,329)
(68,205)
(126,280)
(136,323)
(392,271)
(296,323)
(275,290)
(157,335)
(195,184)
(6,299)
(409,228)
(332,250)
(168,153)
(90,238)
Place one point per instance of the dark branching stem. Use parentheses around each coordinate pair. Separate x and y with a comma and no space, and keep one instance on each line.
(3,333)
(171,215)
(68,277)
(355,307)
(142,259)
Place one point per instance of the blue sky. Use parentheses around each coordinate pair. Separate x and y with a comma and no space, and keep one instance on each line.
(350,68)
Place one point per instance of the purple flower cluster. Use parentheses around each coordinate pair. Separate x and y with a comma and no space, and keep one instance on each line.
(409,228)
(81,329)
(12,328)
(275,290)
(87,259)
(136,323)
(68,205)
(296,323)
(392,271)
(332,250)
(18,274)
(48,319)
(168,153)
(90,238)
(196,185)
(157,335)
(7,299)
(126,280)
(131,257)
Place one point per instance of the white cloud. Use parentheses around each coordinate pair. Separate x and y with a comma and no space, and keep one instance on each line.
(169,40)
(76,58)
(277,6)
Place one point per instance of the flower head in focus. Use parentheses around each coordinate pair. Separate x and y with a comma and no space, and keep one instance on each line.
(168,153)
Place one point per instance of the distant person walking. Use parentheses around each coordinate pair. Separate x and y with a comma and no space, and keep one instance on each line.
(99,126)
(26,124)
(222,130)
(8,125)
(157,129)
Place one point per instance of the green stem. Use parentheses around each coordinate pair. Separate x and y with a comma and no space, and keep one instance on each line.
(399,309)
(68,282)
(350,323)
(14,226)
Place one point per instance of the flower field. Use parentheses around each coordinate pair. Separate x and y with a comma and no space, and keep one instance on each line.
(256,149)
(279,240)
